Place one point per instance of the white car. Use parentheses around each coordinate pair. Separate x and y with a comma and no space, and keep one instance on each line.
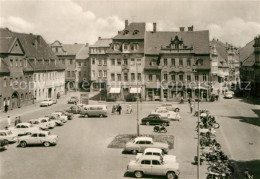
(23,129)
(55,119)
(38,123)
(60,116)
(157,152)
(153,165)
(47,102)
(49,123)
(228,95)
(165,113)
(42,137)
(8,136)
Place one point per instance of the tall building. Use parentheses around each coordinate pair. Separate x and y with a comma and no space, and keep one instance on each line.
(250,67)
(30,71)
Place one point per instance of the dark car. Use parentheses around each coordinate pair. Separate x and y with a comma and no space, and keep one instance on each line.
(3,144)
(73,109)
(154,119)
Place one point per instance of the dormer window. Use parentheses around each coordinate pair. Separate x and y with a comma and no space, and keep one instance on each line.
(125,47)
(116,46)
(135,46)
(135,32)
(125,32)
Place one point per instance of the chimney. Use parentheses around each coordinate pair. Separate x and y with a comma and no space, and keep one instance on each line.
(99,38)
(190,28)
(38,39)
(182,29)
(154,27)
(126,23)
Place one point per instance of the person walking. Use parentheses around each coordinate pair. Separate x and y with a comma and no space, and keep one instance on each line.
(5,106)
(119,109)
(9,121)
(191,108)
(16,121)
(113,109)
(8,104)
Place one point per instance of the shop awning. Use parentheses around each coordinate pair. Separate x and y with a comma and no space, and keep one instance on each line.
(115,90)
(135,90)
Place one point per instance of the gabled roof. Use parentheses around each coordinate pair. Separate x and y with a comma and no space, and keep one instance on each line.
(132,31)
(250,61)
(83,53)
(246,51)
(4,67)
(221,48)
(72,49)
(6,44)
(102,43)
(199,40)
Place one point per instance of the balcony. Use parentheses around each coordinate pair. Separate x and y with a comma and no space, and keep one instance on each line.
(152,67)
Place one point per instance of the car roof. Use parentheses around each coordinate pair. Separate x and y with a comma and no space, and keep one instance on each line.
(153,150)
(143,138)
(24,123)
(150,157)
(42,132)
(4,130)
(40,118)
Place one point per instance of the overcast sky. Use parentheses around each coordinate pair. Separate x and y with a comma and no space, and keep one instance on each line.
(69,21)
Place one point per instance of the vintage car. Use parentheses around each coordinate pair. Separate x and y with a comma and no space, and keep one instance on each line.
(60,116)
(47,102)
(73,100)
(8,136)
(165,113)
(155,119)
(157,152)
(171,107)
(228,95)
(3,144)
(42,137)
(73,109)
(45,120)
(94,110)
(56,119)
(23,129)
(64,113)
(153,165)
(38,123)
(139,144)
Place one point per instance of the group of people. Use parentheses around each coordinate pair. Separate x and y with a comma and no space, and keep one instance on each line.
(117,108)
(16,121)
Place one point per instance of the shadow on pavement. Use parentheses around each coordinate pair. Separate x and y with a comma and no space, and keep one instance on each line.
(251,100)
(241,166)
(250,120)
(131,175)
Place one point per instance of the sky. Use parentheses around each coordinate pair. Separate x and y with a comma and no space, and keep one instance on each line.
(71,21)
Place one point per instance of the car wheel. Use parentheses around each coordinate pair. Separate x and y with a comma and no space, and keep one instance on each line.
(147,123)
(134,152)
(100,115)
(85,115)
(23,144)
(138,174)
(46,144)
(171,175)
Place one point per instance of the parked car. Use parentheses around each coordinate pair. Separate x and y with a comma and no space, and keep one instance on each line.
(60,116)
(171,107)
(47,102)
(45,120)
(165,113)
(73,109)
(8,136)
(42,137)
(23,129)
(157,152)
(152,119)
(73,100)
(153,165)
(38,123)
(139,144)
(229,95)
(55,119)
(3,144)
(94,110)
(69,116)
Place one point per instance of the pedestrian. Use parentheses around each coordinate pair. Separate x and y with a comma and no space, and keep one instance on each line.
(130,108)
(9,121)
(113,109)
(8,104)
(119,109)
(5,106)
(191,108)
(217,97)
(16,121)
(19,119)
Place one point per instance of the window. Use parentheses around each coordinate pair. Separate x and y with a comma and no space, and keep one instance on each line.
(138,62)
(41,135)
(85,63)
(118,61)
(105,61)
(181,62)
(189,77)
(104,73)
(5,82)
(99,73)
(99,62)
(139,77)
(146,162)
(93,73)
(79,64)
(125,61)
(148,142)
(165,77)
(16,62)
(21,63)
(112,77)
(150,77)
(181,77)
(173,61)
(33,135)
(200,62)
(11,62)
(71,62)
(158,77)
(165,62)
(113,61)
(135,46)
(116,46)
(93,61)
(132,76)
(125,47)
(119,77)
(196,77)
(132,61)
(173,77)
(125,76)
(204,77)
(156,162)
(188,62)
